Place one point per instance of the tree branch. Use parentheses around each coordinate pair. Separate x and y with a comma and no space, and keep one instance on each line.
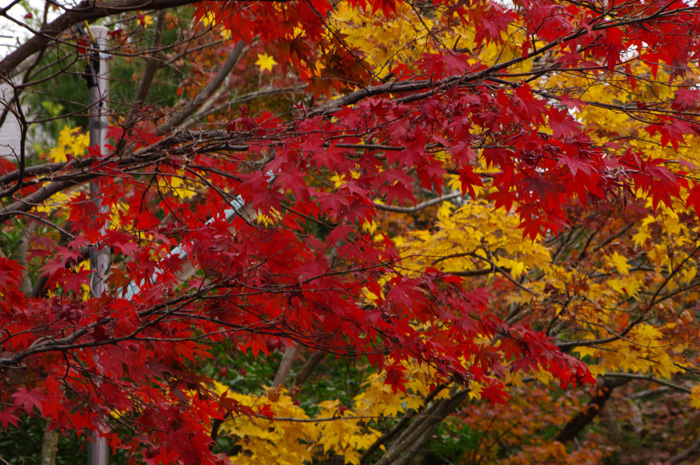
(152,63)
(85,11)
(396,429)
(420,206)
(415,437)
(600,396)
(632,376)
(308,368)
(178,118)
(686,454)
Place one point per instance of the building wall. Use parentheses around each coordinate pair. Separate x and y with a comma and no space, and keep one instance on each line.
(9,131)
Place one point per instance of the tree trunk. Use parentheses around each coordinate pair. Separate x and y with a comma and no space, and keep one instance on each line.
(49,445)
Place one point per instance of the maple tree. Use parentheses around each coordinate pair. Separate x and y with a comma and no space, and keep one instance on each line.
(457,197)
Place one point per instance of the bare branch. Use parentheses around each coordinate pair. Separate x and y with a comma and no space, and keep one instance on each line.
(600,396)
(420,206)
(152,64)
(308,368)
(178,118)
(688,453)
(85,11)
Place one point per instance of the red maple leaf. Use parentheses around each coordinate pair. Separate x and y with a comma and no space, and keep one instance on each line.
(29,399)
(693,199)
(574,164)
(562,124)
(686,98)
(10,273)
(8,418)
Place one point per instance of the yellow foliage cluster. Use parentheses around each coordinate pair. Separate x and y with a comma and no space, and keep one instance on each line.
(475,237)
(607,120)
(643,352)
(385,42)
(293,437)
(71,141)
(472,237)
(407,36)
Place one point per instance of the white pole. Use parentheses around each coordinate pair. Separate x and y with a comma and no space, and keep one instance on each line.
(97,75)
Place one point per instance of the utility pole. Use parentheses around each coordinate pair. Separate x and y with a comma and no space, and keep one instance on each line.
(97,76)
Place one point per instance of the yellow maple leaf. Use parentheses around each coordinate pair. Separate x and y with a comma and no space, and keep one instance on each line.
(620,263)
(695,397)
(265,62)
(641,236)
(70,140)
(596,370)
(209,19)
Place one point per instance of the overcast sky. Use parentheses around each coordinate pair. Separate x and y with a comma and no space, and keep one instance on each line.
(10,32)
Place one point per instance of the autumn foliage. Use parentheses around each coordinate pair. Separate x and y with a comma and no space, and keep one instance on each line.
(488,208)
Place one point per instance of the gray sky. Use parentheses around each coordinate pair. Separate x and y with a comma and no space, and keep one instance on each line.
(10,32)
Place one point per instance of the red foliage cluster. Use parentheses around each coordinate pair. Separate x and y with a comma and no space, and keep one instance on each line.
(267,284)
